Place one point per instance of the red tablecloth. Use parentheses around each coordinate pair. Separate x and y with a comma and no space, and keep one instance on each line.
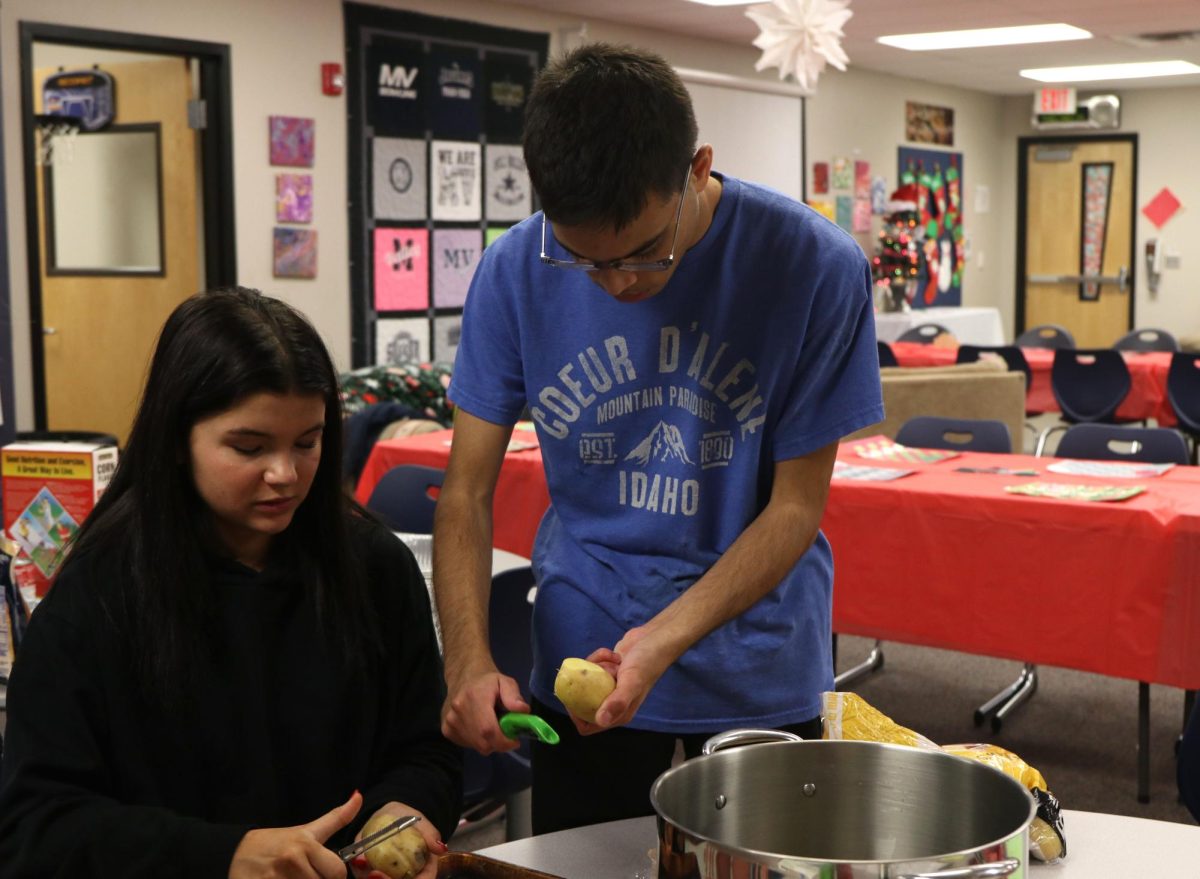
(1147,397)
(949,559)
(952,560)
(521,495)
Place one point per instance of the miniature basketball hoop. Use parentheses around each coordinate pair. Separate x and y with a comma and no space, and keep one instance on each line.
(55,138)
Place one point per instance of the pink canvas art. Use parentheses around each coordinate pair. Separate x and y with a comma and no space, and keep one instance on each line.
(293,198)
(401,269)
(292,141)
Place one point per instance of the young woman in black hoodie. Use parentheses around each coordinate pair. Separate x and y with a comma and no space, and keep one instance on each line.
(235,668)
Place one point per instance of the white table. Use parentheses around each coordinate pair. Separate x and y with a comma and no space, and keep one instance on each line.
(971,326)
(1099,847)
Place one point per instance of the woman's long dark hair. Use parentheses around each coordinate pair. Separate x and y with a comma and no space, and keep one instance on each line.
(215,350)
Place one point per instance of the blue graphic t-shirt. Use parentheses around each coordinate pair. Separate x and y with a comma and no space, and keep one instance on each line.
(660,423)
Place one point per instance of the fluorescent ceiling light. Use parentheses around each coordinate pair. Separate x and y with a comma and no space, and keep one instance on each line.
(991,36)
(1139,70)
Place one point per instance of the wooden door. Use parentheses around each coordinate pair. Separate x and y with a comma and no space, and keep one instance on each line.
(1079,237)
(100,328)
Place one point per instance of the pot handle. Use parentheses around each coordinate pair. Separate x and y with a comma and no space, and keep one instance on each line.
(975,871)
(734,737)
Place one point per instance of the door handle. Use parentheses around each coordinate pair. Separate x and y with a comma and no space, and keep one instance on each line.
(1121,279)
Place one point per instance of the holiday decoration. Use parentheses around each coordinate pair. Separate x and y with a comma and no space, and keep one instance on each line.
(936,178)
(800,37)
(897,257)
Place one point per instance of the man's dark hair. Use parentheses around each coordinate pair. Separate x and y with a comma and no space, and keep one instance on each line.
(606,127)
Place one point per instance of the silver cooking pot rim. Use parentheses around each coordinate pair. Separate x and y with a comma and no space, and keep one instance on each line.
(766,738)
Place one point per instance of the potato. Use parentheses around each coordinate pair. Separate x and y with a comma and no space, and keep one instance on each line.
(401,856)
(581,686)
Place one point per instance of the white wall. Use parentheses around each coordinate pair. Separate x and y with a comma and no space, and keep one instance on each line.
(1167,122)
(860,114)
(277,47)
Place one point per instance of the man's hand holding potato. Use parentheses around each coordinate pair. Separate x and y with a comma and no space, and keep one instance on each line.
(469,714)
(636,664)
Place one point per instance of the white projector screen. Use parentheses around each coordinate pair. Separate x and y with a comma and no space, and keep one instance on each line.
(756,128)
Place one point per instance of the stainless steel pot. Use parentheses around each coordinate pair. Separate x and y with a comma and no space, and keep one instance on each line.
(837,810)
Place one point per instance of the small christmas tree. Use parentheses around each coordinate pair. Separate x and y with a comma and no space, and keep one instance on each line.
(897,255)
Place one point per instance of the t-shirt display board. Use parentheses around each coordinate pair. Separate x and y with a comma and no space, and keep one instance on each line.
(436,170)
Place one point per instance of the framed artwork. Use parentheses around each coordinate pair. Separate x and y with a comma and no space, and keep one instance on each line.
(293,198)
(398,179)
(924,123)
(456,253)
(447,329)
(402,341)
(401,269)
(509,192)
(295,253)
(292,141)
(455,181)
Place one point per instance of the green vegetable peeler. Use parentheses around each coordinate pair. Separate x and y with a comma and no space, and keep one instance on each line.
(514,724)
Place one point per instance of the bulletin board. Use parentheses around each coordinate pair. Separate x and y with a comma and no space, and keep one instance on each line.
(435,108)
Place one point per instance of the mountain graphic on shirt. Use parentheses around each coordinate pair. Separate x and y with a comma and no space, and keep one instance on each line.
(662,444)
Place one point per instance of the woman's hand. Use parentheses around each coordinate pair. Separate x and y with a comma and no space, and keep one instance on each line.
(425,827)
(295,852)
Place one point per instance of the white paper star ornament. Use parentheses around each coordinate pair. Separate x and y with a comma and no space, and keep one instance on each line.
(800,37)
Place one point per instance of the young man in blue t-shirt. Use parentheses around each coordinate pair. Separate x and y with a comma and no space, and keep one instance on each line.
(691,348)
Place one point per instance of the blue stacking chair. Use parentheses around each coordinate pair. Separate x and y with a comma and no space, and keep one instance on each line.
(1151,445)
(1148,339)
(1045,336)
(406,497)
(935,432)
(887,357)
(1089,385)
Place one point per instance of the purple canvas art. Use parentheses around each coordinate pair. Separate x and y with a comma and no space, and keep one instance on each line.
(293,198)
(292,141)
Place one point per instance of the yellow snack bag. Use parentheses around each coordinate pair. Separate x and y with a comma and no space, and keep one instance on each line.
(848,716)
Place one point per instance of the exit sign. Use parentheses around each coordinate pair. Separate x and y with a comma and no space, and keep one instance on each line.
(1054,101)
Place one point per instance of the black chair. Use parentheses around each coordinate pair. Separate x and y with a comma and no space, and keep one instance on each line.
(1089,385)
(1148,339)
(923,333)
(1010,354)
(935,432)
(1150,445)
(495,780)
(887,357)
(404,498)
(1183,392)
(1014,360)
(1045,336)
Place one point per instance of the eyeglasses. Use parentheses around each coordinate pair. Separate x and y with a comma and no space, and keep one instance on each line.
(620,265)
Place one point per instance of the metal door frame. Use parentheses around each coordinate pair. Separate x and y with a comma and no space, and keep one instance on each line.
(216,153)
